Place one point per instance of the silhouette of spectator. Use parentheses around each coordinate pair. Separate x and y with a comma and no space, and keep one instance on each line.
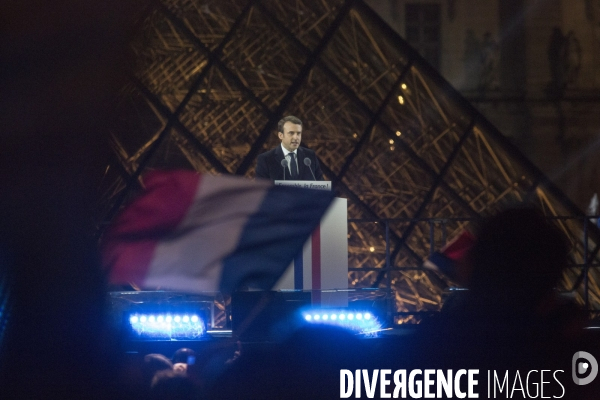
(60,68)
(517,258)
(184,355)
(154,363)
(510,318)
(305,366)
(173,385)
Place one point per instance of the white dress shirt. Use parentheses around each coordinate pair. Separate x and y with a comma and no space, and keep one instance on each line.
(287,156)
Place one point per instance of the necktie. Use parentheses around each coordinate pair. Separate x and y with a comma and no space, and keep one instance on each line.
(294,166)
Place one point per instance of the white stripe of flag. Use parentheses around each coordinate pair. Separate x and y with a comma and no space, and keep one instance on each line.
(194,233)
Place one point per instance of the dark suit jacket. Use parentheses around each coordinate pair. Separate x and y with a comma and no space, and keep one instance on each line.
(268,165)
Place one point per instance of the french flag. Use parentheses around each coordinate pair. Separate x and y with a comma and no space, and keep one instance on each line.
(453,259)
(196,232)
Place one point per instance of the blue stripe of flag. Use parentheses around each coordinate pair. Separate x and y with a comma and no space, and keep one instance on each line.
(273,236)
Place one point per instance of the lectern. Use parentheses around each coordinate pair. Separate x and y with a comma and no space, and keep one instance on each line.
(323,263)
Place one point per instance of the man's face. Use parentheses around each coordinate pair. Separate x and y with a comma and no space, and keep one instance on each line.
(291,136)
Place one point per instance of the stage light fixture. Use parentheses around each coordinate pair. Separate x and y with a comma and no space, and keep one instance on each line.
(362,322)
(166,326)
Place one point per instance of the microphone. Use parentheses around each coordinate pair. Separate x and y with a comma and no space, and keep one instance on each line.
(284,164)
(307,163)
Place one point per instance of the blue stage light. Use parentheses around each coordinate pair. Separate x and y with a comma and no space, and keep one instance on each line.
(161,327)
(361,322)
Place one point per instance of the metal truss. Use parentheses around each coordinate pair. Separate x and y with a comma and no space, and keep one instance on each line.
(414,159)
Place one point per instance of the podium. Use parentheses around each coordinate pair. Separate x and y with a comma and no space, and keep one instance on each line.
(323,263)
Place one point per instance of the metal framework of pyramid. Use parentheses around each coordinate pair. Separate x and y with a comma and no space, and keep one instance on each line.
(414,159)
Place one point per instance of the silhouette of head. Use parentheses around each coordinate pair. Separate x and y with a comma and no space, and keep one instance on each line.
(517,257)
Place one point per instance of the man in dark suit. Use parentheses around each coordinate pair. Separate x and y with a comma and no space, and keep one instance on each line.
(301,163)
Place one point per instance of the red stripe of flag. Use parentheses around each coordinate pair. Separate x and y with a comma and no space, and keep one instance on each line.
(130,243)
(316,265)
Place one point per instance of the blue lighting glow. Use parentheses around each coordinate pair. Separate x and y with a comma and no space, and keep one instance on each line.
(167,326)
(361,322)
